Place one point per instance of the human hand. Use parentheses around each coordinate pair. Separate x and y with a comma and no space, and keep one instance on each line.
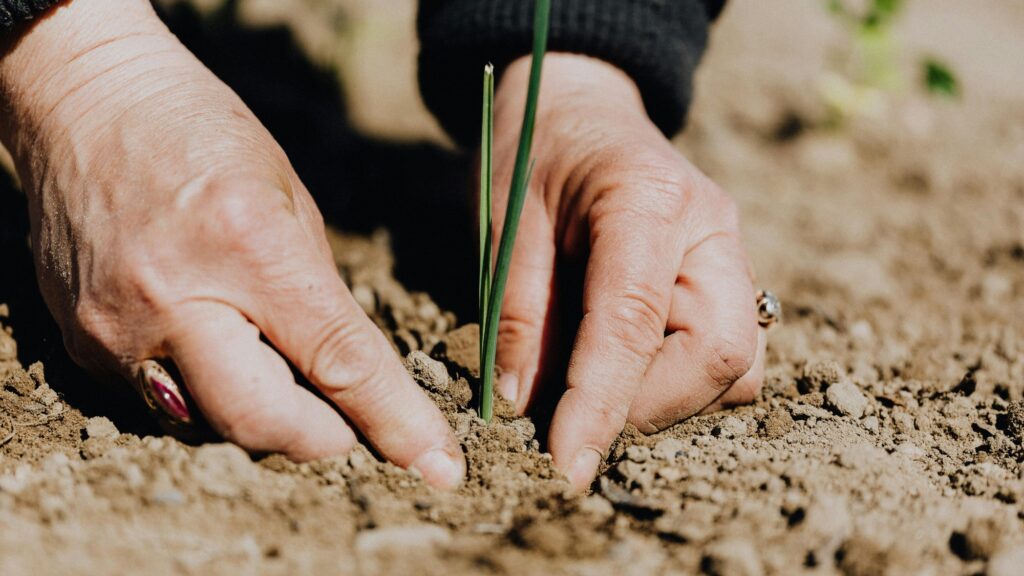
(669,325)
(167,223)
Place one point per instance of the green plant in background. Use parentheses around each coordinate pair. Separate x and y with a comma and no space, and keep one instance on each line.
(493,280)
(873,68)
(939,79)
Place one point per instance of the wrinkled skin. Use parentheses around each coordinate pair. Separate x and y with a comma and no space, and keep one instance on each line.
(669,325)
(167,223)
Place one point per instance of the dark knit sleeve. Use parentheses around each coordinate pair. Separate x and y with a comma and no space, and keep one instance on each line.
(657,42)
(14,11)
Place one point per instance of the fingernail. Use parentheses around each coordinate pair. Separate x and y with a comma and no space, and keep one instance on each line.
(584,468)
(441,468)
(508,386)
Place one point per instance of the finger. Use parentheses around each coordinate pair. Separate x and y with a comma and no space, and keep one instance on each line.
(627,293)
(315,322)
(714,339)
(246,390)
(525,314)
(747,388)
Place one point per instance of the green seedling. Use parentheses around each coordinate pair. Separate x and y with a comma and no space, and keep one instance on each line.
(493,279)
(872,69)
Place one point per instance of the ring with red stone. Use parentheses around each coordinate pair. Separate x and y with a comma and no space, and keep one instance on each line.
(161,392)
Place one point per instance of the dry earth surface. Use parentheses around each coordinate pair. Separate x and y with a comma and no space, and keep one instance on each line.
(888,439)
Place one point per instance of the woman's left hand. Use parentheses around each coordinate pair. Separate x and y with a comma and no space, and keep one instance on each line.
(669,326)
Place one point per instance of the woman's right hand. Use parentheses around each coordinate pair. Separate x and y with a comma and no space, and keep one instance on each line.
(167,223)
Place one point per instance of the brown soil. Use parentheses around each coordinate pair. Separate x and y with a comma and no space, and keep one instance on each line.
(888,439)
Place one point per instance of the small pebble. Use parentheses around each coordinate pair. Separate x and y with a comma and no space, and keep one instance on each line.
(731,427)
(430,373)
(102,428)
(903,422)
(871,424)
(669,449)
(463,424)
(910,450)
(670,474)
(847,399)
(358,459)
(638,454)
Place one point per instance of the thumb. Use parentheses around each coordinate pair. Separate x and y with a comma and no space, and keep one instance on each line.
(525,313)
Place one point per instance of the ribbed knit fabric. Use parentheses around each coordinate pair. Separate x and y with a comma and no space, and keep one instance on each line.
(657,42)
(15,11)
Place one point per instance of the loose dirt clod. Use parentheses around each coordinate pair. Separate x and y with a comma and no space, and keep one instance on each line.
(430,373)
(778,423)
(846,399)
(101,428)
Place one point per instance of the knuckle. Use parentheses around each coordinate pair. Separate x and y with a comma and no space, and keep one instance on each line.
(239,215)
(659,190)
(671,193)
(346,358)
(518,328)
(638,314)
(726,359)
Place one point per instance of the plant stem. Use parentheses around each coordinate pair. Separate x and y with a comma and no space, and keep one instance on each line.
(486,183)
(517,195)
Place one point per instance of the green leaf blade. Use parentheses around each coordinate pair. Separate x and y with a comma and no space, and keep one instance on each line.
(517,196)
(486,223)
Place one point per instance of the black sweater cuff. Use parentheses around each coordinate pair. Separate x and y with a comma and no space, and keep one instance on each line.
(14,11)
(657,42)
